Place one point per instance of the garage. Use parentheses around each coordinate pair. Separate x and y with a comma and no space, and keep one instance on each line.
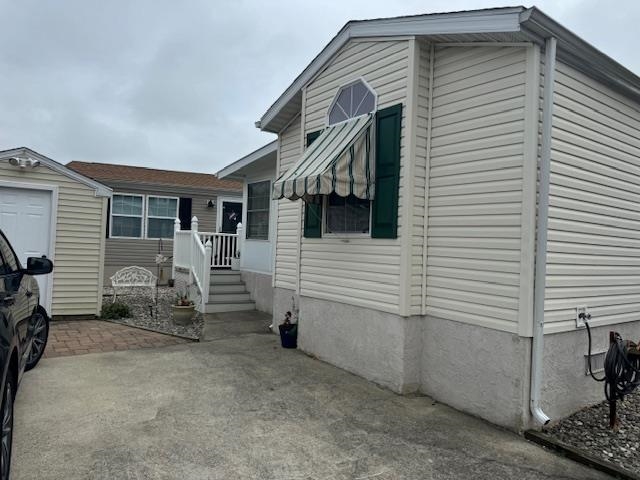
(48,209)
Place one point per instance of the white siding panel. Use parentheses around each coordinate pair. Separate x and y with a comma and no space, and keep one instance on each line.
(594,224)
(77,275)
(475,186)
(288,220)
(362,271)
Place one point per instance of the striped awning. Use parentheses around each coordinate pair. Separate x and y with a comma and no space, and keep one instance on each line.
(338,161)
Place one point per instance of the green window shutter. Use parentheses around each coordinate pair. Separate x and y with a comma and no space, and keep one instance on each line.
(313,211)
(385,205)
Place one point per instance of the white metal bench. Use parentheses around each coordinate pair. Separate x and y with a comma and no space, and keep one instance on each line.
(134,276)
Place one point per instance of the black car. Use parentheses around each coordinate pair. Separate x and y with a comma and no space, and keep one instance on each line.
(24,330)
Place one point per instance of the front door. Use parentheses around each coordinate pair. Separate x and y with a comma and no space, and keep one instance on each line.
(231,216)
(25,218)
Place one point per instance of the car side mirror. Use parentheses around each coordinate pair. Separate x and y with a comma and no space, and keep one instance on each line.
(39,266)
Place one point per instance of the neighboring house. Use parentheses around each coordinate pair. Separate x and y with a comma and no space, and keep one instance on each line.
(406,232)
(145,204)
(48,209)
(258,171)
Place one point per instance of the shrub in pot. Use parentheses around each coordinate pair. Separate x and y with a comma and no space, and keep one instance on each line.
(183,309)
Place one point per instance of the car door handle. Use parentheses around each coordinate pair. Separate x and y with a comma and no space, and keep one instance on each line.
(8,300)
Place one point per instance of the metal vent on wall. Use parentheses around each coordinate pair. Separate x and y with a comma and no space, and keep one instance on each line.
(597,362)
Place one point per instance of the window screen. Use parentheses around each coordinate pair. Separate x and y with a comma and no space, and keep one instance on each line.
(347,214)
(258,201)
(126,216)
(161,215)
(352,101)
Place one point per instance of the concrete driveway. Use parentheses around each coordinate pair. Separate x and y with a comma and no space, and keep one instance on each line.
(242,407)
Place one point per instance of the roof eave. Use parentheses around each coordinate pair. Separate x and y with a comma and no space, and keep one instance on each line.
(478,21)
(256,155)
(580,54)
(100,189)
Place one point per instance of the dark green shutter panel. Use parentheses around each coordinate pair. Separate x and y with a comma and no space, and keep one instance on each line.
(313,211)
(184,213)
(385,205)
(108,217)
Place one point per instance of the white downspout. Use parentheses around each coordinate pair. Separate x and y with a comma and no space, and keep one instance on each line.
(537,352)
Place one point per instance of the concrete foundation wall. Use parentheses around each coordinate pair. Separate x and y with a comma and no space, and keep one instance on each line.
(380,347)
(260,287)
(565,387)
(477,370)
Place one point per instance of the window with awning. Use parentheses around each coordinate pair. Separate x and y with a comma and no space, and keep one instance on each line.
(338,161)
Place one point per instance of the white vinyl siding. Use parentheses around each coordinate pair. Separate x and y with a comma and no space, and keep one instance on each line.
(288,223)
(79,243)
(475,186)
(594,214)
(419,182)
(358,271)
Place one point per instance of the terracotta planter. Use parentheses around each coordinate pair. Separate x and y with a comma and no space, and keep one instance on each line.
(183,315)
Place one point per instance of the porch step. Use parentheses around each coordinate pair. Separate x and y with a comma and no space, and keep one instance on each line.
(227,293)
(216,296)
(227,288)
(215,307)
(224,276)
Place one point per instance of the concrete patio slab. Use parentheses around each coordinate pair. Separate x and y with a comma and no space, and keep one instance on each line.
(243,407)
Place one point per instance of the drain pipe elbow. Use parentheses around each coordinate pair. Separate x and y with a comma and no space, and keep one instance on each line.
(539,415)
(537,348)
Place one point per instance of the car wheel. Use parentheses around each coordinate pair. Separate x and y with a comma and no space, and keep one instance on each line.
(40,323)
(6,432)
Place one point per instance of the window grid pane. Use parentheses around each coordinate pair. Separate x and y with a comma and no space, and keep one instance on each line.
(163,207)
(160,228)
(347,215)
(126,205)
(352,101)
(258,201)
(126,226)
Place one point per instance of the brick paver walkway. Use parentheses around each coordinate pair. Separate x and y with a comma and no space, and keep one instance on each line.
(93,336)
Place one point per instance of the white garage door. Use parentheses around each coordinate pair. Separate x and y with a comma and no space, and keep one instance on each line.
(25,218)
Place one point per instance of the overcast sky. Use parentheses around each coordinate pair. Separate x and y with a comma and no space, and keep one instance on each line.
(179,84)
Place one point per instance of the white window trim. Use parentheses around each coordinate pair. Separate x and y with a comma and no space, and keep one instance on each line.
(147,216)
(344,235)
(246,228)
(141,216)
(335,99)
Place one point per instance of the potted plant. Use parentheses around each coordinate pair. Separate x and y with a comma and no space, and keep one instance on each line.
(288,332)
(235,261)
(183,309)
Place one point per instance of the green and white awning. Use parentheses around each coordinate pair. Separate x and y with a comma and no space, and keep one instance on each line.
(339,161)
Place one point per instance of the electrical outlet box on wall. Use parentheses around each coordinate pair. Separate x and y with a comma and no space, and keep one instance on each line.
(580,311)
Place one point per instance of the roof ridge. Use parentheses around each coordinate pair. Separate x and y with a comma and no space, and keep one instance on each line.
(138,166)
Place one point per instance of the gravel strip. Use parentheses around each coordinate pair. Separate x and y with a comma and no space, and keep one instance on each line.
(589,431)
(143,312)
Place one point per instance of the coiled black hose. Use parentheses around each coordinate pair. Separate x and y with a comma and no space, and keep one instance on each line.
(621,370)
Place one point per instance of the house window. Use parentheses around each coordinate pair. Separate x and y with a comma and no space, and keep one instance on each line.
(258,200)
(347,214)
(126,216)
(161,215)
(352,100)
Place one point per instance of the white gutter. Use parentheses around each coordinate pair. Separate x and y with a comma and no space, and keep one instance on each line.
(537,352)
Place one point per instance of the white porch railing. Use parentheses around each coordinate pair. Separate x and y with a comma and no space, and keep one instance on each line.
(225,247)
(199,251)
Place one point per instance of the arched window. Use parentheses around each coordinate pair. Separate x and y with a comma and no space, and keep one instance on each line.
(351,101)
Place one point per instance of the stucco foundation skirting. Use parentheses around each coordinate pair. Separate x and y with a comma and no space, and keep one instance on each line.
(579,455)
